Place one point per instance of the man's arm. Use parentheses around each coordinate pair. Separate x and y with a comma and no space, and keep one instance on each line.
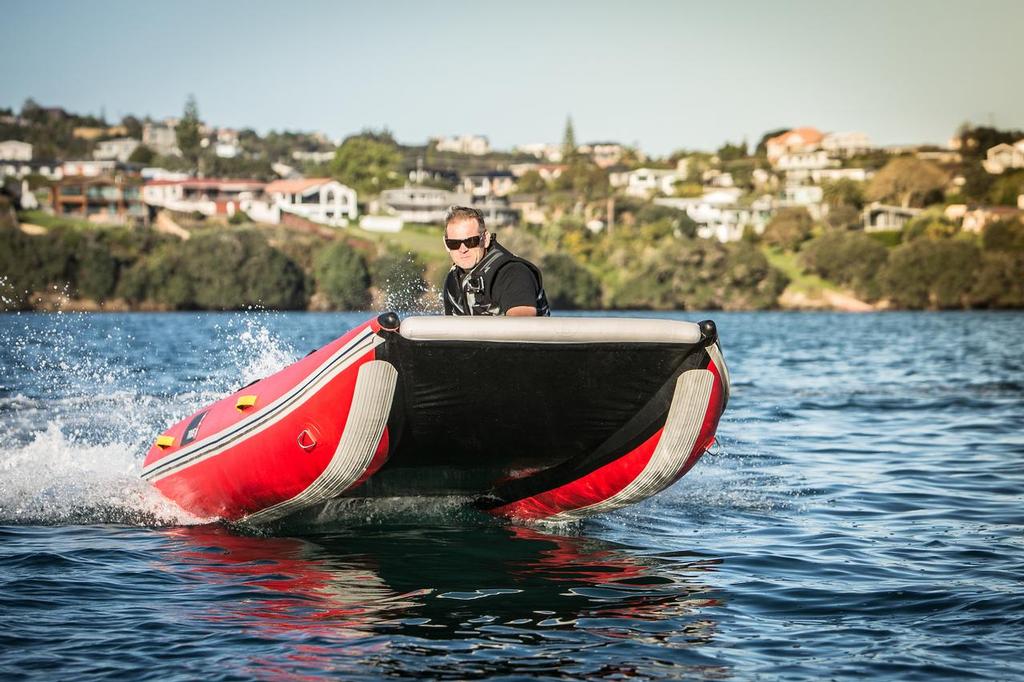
(522,311)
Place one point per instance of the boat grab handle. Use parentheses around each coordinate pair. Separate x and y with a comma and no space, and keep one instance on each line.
(306,440)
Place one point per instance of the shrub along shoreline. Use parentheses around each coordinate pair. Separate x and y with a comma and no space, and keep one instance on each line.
(655,263)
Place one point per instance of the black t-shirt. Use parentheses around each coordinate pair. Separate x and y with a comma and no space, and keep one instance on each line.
(515,286)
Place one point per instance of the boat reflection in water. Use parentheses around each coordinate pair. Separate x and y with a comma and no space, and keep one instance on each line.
(450,602)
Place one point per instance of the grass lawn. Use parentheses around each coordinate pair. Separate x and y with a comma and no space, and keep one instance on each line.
(423,240)
(46,220)
(799,281)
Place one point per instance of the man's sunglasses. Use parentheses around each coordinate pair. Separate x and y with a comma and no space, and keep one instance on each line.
(470,242)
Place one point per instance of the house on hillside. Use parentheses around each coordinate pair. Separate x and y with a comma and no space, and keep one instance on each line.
(51,170)
(15,150)
(805,161)
(604,154)
(806,196)
(490,184)
(320,200)
(878,217)
(162,138)
(978,218)
(793,141)
(719,215)
(542,150)
(1003,157)
(119,149)
(846,144)
(209,196)
(421,204)
(91,168)
(644,182)
(101,199)
(476,145)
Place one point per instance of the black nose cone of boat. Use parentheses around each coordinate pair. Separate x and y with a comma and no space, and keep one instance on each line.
(708,332)
(388,321)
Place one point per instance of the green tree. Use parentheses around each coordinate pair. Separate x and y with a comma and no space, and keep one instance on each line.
(931,274)
(789,228)
(367,165)
(142,154)
(732,152)
(1004,235)
(342,276)
(188,133)
(906,180)
(1000,281)
(568,284)
(568,140)
(532,183)
(1006,188)
(843,192)
(851,259)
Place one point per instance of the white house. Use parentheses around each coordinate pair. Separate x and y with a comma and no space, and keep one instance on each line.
(1004,156)
(881,217)
(463,144)
(805,161)
(643,182)
(118,149)
(51,170)
(604,154)
(542,150)
(14,150)
(804,139)
(718,216)
(421,204)
(161,138)
(321,200)
(313,157)
(89,169)
(846,144)
(209,196)
(494,183)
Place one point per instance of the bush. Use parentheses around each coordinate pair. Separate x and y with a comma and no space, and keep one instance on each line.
(1000,281)
(932,274)
(699,274)
(1004,235)
(342,276)
(217,271)
(849,258)
(568,284)
(790,228)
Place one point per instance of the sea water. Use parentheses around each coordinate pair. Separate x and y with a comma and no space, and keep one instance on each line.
(863,517)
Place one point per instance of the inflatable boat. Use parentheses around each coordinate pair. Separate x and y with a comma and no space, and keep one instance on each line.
(532,418)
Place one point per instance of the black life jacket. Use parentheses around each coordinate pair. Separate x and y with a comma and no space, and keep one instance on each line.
(473,294)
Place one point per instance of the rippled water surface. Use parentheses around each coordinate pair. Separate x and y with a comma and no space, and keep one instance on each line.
(865,517)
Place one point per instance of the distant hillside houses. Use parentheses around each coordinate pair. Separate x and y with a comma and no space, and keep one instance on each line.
(161,137)
(119,149)
(1003,157)
(477,145)
(15,150)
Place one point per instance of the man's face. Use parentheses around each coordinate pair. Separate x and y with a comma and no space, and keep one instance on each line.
(464,256)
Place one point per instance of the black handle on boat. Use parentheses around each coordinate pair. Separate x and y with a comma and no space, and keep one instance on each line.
(708,332)
(389,321)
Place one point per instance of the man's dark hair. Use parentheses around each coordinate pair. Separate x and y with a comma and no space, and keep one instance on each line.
(464,213)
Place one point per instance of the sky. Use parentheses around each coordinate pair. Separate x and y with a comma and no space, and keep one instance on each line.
(660,75)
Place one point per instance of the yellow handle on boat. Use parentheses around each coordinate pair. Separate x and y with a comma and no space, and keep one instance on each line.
(245,402)
(164,442)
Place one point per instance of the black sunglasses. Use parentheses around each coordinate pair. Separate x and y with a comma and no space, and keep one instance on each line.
(470,242)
